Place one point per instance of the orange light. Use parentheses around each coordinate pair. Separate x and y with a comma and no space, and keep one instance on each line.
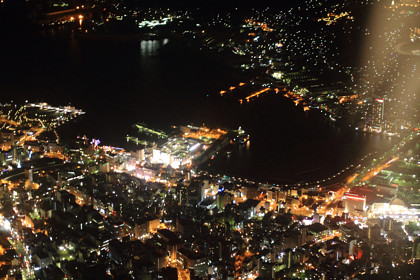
(257,93)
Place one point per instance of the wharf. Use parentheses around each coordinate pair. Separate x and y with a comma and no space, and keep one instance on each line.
(215,147)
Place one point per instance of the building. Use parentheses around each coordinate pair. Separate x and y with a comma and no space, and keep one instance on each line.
(222,199)
(170,241)
(146,226)
(42,258)
(377,117)
(387,191)
(249,208)
(416,249)
(318,230)
(192,260)
(354,203)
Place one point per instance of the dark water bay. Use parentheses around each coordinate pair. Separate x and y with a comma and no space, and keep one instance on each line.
(121,81)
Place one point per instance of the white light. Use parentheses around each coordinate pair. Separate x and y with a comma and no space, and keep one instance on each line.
(194,147)
(6,224)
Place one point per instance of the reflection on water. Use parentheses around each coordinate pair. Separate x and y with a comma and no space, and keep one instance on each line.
(151,47)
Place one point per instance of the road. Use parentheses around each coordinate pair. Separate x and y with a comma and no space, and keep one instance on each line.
(372,168)
(183,274)
(337,198)
(16,241)
(7,178)
(365,171)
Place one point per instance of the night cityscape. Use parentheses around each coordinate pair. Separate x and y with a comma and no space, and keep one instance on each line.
(209,140)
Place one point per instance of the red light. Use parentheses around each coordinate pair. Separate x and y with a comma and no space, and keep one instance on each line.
(355,197)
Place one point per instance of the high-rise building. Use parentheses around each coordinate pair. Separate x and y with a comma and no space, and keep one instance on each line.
(378,108)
